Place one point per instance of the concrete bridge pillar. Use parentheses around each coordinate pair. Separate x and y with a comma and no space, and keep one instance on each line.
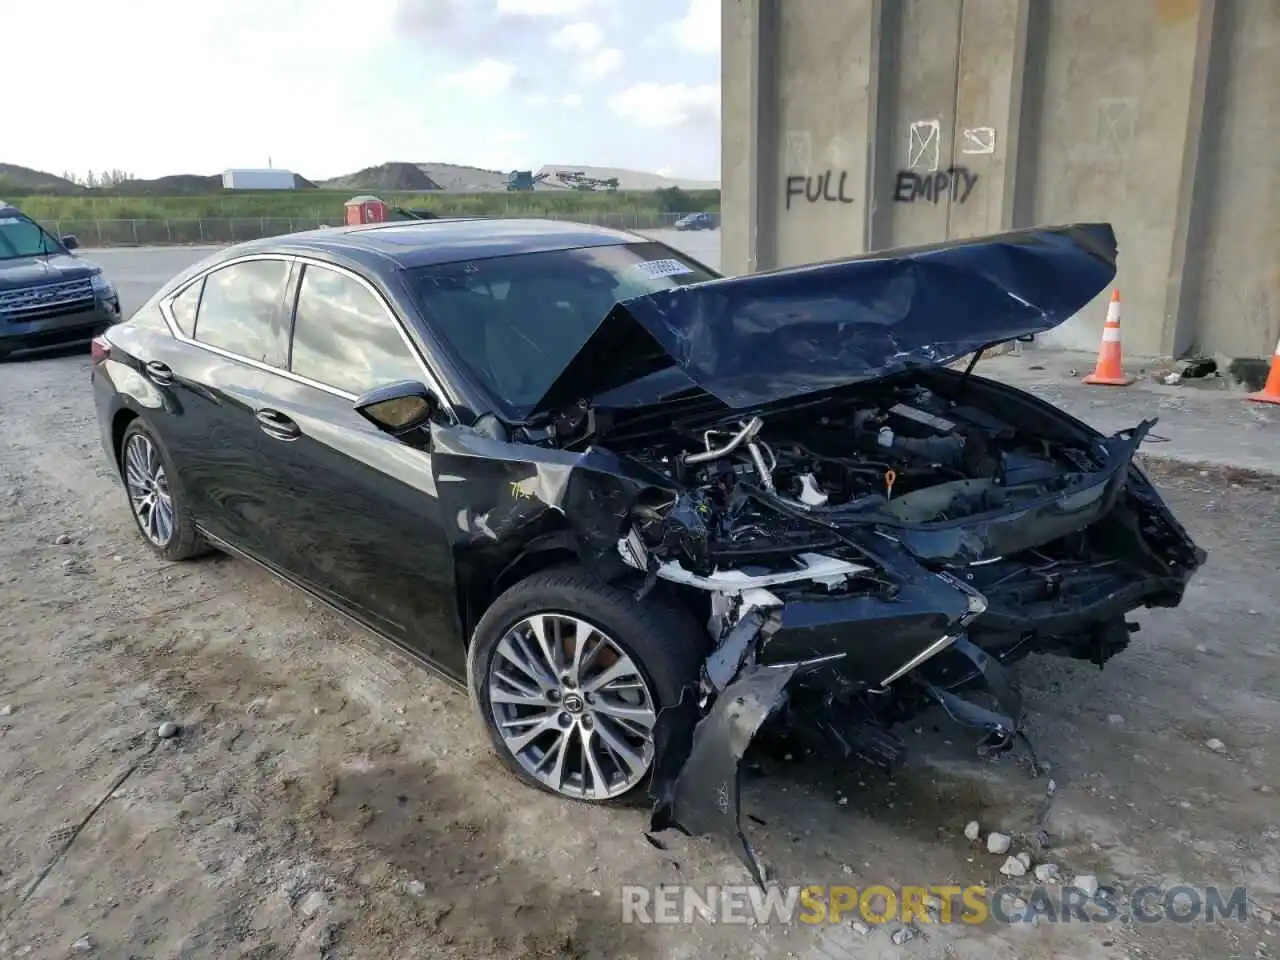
(856,125)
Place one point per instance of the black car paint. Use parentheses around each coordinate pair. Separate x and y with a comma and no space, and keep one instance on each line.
(419,534)
(255,492)
(33,275)
(381,486)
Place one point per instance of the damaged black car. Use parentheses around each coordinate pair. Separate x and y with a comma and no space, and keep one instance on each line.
(640,511)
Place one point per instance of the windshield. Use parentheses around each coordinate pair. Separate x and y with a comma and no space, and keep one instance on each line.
(515,322)
(21,237)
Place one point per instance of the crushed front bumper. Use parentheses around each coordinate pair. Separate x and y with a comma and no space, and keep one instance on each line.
(700,743)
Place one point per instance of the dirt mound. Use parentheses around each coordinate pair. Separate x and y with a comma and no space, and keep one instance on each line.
(176,185)
(463,179)
(14,177)
(385,177)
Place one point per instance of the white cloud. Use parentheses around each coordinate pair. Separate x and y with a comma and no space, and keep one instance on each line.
(543,8)
(668,105)
(601,64)
(578,37)
(586,39)
(699,29)
(569,100)
(484,79)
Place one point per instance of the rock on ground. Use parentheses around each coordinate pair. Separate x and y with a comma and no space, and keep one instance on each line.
(998,843)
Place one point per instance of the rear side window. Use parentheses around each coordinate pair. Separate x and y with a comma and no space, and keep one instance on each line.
(183,307)
(238,307)
(344,336)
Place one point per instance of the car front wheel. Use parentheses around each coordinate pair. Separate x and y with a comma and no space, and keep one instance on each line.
(568,674)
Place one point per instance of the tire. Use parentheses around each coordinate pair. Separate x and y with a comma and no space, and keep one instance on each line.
(662,639)
(184,541)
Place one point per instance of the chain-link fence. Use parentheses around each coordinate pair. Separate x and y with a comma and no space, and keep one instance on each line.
(139,232)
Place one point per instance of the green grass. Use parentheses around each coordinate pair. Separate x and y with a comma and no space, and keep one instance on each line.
(327,205)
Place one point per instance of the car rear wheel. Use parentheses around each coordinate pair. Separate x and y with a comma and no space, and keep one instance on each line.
(568,674)
(154,497)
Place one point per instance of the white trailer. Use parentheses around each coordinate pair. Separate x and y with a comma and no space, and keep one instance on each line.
(264,179)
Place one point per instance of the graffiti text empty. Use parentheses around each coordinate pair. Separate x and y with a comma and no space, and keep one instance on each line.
(956,181)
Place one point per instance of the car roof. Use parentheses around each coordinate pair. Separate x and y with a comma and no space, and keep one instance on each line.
(419,243)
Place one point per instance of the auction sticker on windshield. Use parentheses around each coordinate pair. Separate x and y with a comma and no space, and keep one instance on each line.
(656,269)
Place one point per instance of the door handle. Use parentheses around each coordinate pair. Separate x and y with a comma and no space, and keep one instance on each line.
(275,424)
(159,373)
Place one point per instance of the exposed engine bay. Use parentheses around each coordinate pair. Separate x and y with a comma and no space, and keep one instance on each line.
(763,489)
(887,553)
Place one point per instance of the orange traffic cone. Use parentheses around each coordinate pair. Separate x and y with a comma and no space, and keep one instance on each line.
(1110,369)
(1270,392)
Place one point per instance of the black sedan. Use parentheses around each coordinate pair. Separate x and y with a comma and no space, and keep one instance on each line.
(622,500)
(696,221)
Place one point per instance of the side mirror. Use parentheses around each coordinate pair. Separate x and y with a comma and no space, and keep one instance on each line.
(1026,338)
(398,408)
(70,242)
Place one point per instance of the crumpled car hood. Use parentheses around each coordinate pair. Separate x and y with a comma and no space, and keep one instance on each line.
(765,337)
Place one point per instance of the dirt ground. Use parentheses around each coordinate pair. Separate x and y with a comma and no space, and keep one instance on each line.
(326,798)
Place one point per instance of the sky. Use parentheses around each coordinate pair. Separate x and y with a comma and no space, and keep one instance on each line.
(326,87)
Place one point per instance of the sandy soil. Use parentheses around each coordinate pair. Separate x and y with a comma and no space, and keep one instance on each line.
(327,798)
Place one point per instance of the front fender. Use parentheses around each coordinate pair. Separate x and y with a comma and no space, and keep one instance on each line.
(499,500)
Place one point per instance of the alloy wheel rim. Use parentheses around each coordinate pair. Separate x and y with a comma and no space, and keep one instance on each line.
(148,487)
(572,708)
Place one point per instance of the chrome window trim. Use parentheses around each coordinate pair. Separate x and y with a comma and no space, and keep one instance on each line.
(166,311)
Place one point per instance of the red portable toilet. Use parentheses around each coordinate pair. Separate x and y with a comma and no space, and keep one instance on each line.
(365,209)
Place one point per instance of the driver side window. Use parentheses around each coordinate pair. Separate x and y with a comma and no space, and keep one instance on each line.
(344,336)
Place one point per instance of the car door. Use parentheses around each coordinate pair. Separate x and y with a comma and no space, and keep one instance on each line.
(230,336)
(361,520)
